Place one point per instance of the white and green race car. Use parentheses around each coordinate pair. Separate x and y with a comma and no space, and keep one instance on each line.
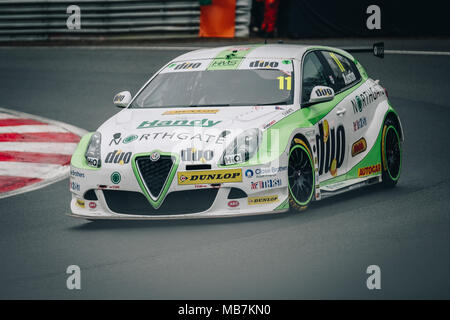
(237,131)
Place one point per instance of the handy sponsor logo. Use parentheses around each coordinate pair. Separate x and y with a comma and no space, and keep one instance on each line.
(178,123)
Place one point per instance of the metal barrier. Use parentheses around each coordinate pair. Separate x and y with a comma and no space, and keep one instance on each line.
(30,20)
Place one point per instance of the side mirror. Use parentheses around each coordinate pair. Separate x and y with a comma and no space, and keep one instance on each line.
(321,94)
(122,99)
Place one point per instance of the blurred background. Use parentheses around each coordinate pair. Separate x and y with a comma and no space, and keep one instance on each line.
(87,20)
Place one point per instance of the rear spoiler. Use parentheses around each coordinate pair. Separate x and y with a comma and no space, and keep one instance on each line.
(377,49)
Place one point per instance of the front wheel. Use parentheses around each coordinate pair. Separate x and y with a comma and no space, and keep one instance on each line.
(391,154)
(301,176)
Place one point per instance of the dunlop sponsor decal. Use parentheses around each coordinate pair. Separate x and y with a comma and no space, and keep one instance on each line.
(262,200)
(359,146)
(80,203)
(366,171)
(195,111)
(209,176)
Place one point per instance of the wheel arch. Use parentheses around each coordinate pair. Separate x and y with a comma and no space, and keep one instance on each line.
(393,116)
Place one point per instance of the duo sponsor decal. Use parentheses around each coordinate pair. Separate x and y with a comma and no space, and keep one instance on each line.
(366,171)
(178,123)
(193,154)
(330,148)
(361,101)
(263,64)
(262,200)
(359,146)
(184,65)
(118,156)
(323,92)
(266,184)
(360,123)
(119,98)
(116,177)
(209,176)
(193,111)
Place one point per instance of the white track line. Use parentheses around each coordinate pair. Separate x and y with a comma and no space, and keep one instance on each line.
(31,170)
(7,116)
(44,147)
(31,128)
(68,127)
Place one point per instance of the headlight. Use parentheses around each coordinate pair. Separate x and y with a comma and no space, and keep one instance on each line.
(92,154)
(242,148)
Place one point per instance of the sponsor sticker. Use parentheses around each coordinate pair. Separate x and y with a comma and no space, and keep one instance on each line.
(77,174)
(271,183)
(360,123)
(92,205)
(206,123)
(118,156)
(233,203)
(359,146)
(366,171)
(193,111)
(209,176)
(80,203)
(74,186)
(130,138)
(116,177)
(262,200)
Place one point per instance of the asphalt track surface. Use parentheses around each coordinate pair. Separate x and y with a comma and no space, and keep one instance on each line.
(322,253)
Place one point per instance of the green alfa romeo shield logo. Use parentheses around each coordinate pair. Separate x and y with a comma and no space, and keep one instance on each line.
(116,177)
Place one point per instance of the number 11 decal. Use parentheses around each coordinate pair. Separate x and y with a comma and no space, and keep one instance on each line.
(281,82)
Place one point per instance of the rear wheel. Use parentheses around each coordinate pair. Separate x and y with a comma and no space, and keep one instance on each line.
(301,176)
(391,154)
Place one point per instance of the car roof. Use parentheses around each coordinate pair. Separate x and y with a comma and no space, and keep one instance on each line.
(260,51)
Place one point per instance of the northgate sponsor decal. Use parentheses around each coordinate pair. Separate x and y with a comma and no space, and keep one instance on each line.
(330,148)
(178,123)
(173,136)
(361,101)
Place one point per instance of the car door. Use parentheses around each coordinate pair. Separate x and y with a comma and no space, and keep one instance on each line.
(358,112)
(330,128)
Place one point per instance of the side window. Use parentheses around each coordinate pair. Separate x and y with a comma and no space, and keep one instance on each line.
(344,71)
(314,74)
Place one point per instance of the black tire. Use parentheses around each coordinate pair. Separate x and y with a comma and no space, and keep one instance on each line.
(301,176)
(391,154)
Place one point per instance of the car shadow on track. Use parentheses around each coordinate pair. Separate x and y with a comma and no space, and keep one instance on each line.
(317,211)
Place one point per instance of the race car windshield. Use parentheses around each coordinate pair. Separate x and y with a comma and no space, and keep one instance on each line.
(217,88)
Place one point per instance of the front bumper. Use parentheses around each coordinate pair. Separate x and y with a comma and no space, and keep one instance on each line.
(262,199)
